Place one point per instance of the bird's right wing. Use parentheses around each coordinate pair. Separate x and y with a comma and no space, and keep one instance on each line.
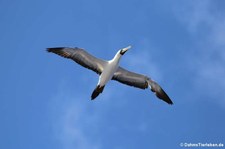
(81,57)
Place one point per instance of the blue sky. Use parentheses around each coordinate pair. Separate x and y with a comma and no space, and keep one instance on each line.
(45,99)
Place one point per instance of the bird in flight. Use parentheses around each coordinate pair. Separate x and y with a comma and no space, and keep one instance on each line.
(110,70)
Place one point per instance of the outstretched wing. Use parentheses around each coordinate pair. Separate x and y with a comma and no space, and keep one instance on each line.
(159,92)
(81,57)
(140,81)
(130,78)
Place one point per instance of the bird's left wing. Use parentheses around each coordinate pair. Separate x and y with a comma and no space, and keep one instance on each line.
(140,81)
(130,78)
(81,57)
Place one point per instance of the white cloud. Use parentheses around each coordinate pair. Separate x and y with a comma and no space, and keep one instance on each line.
(77,121)
(141,60)
(207,26)
(211,79)
(70,115)
(74,120)
(192,14)
(80,123)
(199,16)
(218,34)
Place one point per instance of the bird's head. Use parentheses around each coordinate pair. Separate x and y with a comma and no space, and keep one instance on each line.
(124,50)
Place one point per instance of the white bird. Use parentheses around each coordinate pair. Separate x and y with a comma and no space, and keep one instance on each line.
(110,70)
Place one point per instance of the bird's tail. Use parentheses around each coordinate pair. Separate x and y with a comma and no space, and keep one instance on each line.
(98,90)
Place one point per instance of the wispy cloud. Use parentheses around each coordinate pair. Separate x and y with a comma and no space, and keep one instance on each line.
(77,121)
(81,123)
(141,60)
(70,115)
(207,26)
(199,16)
(193,14)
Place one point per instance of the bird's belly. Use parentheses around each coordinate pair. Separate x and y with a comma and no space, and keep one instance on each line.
(106,75)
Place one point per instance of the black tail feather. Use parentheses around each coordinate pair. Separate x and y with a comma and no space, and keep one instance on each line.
(97,91)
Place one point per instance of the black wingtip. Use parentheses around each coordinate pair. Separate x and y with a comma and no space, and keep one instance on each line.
(62,51)
(54,49)
(49,49)
(163,96)
(159,92)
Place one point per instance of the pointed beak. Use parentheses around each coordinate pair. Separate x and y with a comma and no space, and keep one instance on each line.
(124,50)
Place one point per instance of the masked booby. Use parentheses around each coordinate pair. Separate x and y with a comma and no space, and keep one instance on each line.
(110,70)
